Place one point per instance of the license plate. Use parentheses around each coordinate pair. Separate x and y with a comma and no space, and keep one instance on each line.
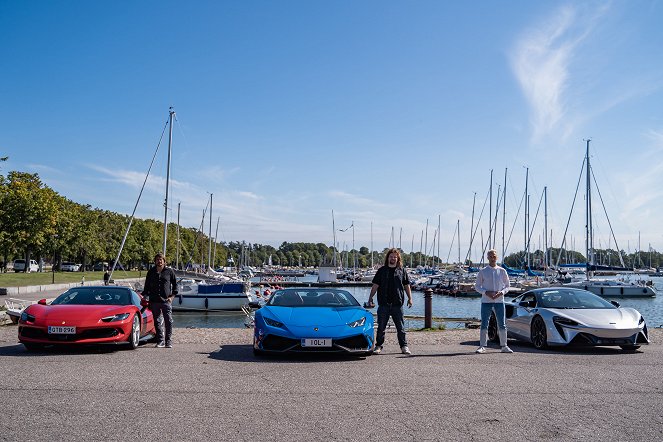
(61,330)
(316,342)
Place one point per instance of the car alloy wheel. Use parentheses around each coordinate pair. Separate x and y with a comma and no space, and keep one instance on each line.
(539,335)
(134,339)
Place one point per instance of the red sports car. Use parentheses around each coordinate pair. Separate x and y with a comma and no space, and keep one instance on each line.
(87,315)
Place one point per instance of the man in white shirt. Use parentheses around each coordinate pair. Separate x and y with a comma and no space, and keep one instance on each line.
(493,284)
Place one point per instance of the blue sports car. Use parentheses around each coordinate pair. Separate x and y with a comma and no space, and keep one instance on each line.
(313,320)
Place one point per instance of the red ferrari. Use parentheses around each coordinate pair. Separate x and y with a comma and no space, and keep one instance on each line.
(87,315)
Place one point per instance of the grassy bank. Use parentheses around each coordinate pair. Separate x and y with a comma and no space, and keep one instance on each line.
(12,279)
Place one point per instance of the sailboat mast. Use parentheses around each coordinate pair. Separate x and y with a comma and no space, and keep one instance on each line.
(334,238)
(458,227)
(371,244)
(177,249)
(490,211)
(504,214)
(209,248)
(588,215)
(165,203)
(545,229)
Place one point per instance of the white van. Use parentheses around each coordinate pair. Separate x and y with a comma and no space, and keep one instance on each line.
(19,265)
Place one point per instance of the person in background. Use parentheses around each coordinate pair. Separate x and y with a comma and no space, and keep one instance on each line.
(493,284)
(106,277)
(391,282)
(160,289)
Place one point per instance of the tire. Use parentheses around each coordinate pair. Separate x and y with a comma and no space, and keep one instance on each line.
(629,348)
(538,333)
(493,335)
(31,347)
(134,337)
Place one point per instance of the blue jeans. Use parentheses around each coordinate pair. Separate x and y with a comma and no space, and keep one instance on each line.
(396,313)
(487,308)
(163,315)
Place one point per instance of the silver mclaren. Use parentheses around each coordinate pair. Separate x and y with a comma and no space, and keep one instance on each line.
(557,316)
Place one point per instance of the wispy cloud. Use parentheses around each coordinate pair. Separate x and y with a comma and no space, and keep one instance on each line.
(357,200)
(542,60)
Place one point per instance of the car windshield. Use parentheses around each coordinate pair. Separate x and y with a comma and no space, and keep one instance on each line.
(94,296)
(568,298)
(312,298)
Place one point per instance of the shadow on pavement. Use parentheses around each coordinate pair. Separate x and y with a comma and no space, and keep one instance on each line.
(244,353)
(524,347)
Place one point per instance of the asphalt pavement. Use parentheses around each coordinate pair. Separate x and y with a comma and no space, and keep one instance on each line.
(211,387)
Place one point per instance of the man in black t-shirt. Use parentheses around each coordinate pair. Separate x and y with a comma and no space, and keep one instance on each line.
(391,282)
(160,289)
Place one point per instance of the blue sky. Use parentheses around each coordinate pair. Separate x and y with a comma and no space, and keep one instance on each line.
(390,113)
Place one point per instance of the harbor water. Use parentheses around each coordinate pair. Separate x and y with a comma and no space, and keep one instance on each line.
(443,307)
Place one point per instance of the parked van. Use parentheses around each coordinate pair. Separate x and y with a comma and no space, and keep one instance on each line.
(19,265)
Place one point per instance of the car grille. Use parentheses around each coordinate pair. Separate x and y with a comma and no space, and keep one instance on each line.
(279,343)
(588,339)
(358,342)
(97,333)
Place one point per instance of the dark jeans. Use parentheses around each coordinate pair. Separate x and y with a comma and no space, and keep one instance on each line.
(396,313)
(163,315)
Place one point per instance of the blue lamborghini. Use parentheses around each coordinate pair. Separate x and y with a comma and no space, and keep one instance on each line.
(316,320)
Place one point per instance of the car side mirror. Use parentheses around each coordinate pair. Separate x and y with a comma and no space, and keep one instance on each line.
(41,302)
(615,303)
(527,304)
(254,304)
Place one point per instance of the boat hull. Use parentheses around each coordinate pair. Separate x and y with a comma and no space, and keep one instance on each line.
(615,290)
(212,297)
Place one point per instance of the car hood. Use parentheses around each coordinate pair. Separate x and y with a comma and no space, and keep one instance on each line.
(76,314)
(618,317)
(325,316)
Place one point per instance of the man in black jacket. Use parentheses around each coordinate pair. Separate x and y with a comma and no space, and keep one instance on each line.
(160,289)
(391,282)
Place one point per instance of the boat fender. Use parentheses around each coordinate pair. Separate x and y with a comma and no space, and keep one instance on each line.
(644,290)
(585,287)
(621,290)
(179,299)
(601,290)
(206,303)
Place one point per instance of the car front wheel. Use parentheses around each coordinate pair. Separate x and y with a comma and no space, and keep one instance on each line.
(538,333)
(134,338)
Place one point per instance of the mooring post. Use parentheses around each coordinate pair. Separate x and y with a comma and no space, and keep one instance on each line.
(428,308)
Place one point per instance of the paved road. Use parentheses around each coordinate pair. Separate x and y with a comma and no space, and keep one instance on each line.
(210,387)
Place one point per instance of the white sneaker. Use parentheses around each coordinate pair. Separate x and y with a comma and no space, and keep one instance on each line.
(405,350)
(378,350)
(506,349)
(480,350)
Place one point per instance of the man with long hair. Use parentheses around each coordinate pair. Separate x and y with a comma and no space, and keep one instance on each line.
(391,282)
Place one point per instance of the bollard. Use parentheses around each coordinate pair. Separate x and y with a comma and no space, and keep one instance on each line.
(428,308)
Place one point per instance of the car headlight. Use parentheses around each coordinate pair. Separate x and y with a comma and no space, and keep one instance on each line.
(564,321)
(27,317)
(358,322)
(118,317)
(273,323)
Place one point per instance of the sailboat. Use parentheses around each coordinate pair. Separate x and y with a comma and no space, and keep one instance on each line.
(603,287)
(204,292)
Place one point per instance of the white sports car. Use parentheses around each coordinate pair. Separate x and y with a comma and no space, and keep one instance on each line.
(557,316)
